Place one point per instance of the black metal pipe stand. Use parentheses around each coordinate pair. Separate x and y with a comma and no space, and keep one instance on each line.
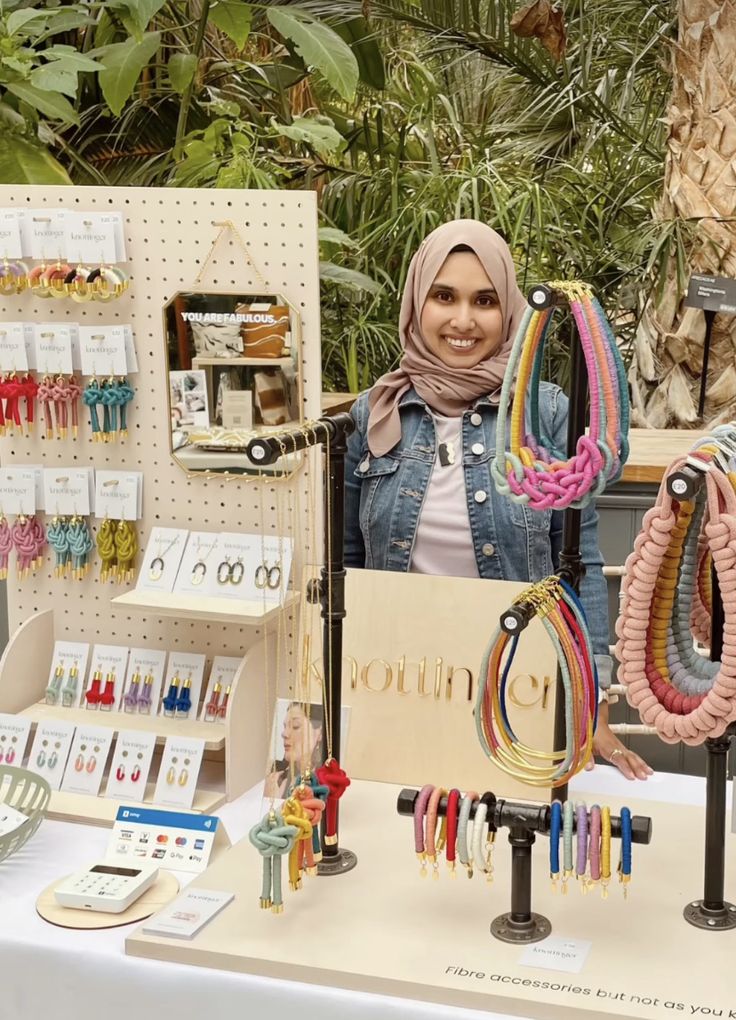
(329,589)
(713,912)
(523,819)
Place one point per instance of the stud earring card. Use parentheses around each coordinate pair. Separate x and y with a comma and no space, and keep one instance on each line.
(131,764)
(161,560)
(50,750)
(224,668)
(179,771)
(182,666)
(14,732)
(67,673)
(141,696)
(87,759)
(197,574)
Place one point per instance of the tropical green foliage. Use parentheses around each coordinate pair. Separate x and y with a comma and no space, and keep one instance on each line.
(429,109)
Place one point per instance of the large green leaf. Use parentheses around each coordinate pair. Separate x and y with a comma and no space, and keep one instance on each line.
(23,163)
(19,19)
(348,278)
(319,46)
(234,19)
(51,105)
(141,12)
(319,132)
(123,65)
(71,59)
(332,235)
(357,34)
(181,70)
(55,78)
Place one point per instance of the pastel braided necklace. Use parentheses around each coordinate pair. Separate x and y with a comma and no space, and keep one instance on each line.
(532,471)
(564,620)
(675,690)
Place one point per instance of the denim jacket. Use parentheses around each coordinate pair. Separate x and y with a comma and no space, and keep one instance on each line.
(384,497)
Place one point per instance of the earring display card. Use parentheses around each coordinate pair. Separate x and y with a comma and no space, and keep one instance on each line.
(183,685)
(222,675)
(198,568)
(87,759)
(269,567)
(50,750)
(53,348)
(66,490)
(236,562)
(108,666)
(142,690)
(42,234)
(14,731)
(177,841)
(179,771)
(119,495)
(102,350)
(16,340)
(11,245)
(130,766)
(67,674)
(90,237)
(17,491)
(161,559)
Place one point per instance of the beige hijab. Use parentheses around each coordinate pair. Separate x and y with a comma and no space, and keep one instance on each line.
(449,391)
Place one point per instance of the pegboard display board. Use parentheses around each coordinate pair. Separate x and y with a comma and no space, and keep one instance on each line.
(169,234)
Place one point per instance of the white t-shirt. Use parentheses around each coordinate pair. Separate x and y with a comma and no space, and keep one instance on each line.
(444,541)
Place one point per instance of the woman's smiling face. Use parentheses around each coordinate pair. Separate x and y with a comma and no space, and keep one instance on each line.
(461,320)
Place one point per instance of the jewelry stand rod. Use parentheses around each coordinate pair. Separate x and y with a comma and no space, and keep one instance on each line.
(329,590)
(713,912)
(523,820)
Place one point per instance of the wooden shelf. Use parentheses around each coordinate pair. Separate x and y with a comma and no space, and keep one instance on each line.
(76,807)
(202,607)
(229,362)
(211,732)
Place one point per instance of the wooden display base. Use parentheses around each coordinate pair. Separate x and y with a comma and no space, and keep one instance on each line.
(187,607)
(382,929)
(163,890)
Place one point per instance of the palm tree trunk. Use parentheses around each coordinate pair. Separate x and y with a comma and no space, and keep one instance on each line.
(699,187)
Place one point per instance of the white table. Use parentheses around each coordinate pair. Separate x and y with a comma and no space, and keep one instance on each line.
(58,974)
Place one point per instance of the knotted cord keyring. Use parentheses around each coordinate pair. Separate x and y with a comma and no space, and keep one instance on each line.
(564,620)
(532,471)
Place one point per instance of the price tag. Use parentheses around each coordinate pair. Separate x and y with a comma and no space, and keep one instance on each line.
(102,350)
(17,491)
(13,346)
(42,232)
(89,237)
(117,495)
(11,246)
(66,491)
(53,348)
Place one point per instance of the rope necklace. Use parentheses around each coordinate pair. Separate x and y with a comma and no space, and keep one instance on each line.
(674,689)
(563,618)
(532,471)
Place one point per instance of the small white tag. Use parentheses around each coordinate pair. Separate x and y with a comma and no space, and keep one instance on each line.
(17,491)
(13,351)
(10,819)
(14,731)
(68,656)
(188,914)
(50,750)
(557,953)
(53,345)
(186,666)
(66,491)
(87,759)
(102,350)
(116,494)
(130,766)
(179,771)
(161,559)
(121,254)
(111,662)
(11,246)
(43,234)
(90,237)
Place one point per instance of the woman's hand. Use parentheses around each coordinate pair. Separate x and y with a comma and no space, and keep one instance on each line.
(607,745)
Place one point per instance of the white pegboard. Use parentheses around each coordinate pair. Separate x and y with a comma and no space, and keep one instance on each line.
(169,233)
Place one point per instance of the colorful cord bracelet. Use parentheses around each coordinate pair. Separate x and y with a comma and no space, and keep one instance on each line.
(420,810)
(594,846)
(672,688)
(453,806)
(490,800)
(624,866)
(568,814)
(434,844)
(563,618)
(581,863)
(555,829)
(605,850)
(531,470)
(463,851)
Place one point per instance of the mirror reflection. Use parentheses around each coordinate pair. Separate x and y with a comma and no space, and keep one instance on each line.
(234,372)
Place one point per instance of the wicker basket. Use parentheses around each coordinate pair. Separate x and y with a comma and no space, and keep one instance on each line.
(27,792)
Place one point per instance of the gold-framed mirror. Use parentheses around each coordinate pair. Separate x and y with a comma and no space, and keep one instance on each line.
(234,371)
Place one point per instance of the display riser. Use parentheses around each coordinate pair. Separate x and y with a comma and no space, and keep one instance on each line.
(383,929)
(24,669)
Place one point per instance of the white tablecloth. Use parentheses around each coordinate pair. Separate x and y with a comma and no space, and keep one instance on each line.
(50,973)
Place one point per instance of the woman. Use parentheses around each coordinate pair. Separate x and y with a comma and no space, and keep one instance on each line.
(301,736)
(419,495)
